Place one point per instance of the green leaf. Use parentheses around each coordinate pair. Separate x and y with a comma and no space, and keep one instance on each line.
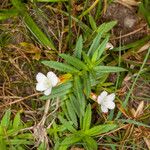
(5,122)
(60,66)
(87,84)
(70,140)
(67,124)
(99,51)
(95,44)
(87,118)
(92,22)
(42,146)
(17,121)
(90,143)
(2,144)
(78,48)
(75,104)
(87,59)
(134,122)
(19,142)
(78,90)
(108,69)
(18,4)
(100,129)
(133,45)
(5,14)
(74,61)
(105,27)
(36,31)
(32,26)
(59,91)
(71,113)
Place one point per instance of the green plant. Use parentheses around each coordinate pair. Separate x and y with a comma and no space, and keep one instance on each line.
(11,133)
(84,69)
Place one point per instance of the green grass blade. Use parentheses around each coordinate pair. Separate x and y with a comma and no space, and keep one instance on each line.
(136,44)
(5,14)
(36,31)
(32,26)
(132,87)
(134,122)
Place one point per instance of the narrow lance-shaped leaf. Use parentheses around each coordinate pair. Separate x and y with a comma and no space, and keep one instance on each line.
(108,69)
(75,104)
(99,51)
(87,84)
(78,90)
(71,113)
(6,119)
(100,129)
(60,66)
(68,141)
(59,91)
(87,118)
(17,121)
(78,48)
(90,143)
(74,61)
(95,44)
(67,124)
(5,14)
(92,22)
(105,27)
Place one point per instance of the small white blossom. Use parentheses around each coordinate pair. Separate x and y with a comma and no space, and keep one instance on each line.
(45,83)
(106,101)
(109,46)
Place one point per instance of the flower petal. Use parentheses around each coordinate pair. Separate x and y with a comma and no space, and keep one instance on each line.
(40,77)
(48,91)
(111,97)
(104,109)
(53,78)
(101,97)
(109,104)
(41,86)
(109,46)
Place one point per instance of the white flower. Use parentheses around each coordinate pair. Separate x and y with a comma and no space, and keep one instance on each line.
(106,101)
(45,83)
(109,46)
